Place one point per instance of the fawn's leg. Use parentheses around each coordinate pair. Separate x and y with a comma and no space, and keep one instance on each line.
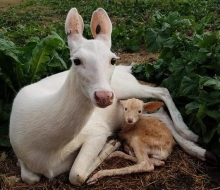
(122,155)
(128,149)
(144,165)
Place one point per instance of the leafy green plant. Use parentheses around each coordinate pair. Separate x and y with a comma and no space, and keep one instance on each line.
(24,58)
(21,66)
(188,66)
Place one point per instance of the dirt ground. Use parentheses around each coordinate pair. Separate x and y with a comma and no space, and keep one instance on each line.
(181,171)
(140,57)
(5,4)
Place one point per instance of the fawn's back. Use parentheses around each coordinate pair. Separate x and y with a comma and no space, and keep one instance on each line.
(148,131)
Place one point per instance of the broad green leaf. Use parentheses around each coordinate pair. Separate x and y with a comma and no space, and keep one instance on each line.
(5,142)
(138,68)
(177,67)
(213,82)
(169,84)
(191,107)
(172,17)
(155,39)
(6,45)
(219,129)
(200,115)
(165,26)
(185,22)
(1,111)
(214,101)
(4,129)
(201,112)
(208,40)
(9,49)
(209,135)
(7,80)
(204,97)
(42,53)
(149,69)
(151,41)
(202,80)
(170,43)
(19,75)
(214,114)
(188,86)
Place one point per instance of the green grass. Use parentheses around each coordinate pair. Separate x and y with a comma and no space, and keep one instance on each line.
(130,18)
(25,32)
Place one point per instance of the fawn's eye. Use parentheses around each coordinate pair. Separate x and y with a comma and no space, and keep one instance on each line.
(126,109)
(113,61)
(77,62)
(139,111)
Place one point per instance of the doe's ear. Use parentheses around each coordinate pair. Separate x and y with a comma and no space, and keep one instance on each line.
(152,106)
(101,26)
(74,26)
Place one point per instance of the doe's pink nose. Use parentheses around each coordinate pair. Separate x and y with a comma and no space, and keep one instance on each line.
(103,98)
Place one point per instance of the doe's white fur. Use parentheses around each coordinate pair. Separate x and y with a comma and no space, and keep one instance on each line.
(59,124)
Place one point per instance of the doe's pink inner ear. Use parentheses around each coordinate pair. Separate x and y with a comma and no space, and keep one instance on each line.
(74,23)
(152,106)
(101,24)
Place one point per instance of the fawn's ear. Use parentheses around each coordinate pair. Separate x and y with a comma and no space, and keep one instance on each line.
(152,106)
(122,102)
(101,26)
(74,26)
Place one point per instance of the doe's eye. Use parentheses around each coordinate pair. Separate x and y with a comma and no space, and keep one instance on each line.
(77,62)
(139,111)
(126,109)
(113,61)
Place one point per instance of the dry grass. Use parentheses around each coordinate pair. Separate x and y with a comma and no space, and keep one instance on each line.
(140,57)
(5,4)
(180,172)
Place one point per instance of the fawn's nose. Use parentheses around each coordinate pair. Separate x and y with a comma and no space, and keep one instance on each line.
(103,98)
(130,120)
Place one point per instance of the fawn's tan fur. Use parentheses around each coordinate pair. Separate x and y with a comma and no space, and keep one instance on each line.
(150,139)
(148,133)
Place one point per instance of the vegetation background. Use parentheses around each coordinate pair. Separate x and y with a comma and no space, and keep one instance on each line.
(183,34)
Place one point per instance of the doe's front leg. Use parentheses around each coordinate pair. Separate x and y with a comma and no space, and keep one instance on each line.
(26,175)
(92,154)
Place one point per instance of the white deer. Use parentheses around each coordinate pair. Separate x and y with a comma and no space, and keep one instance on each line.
(60,123)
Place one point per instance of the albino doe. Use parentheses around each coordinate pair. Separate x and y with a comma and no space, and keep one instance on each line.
(58,124)
(150,139)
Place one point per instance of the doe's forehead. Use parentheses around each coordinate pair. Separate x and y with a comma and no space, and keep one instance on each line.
(92,48)
(95,45)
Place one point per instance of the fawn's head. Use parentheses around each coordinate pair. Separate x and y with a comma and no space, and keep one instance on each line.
(92,60)
(133,109)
